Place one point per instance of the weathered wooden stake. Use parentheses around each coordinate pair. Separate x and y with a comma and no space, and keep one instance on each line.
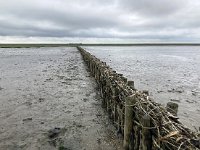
(172,108)
(136,137)
(129,102)
(131,84)
(146,92)
(119,112)
(124,79)
(146,133)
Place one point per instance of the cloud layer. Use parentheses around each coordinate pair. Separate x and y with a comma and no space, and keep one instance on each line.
(145,20)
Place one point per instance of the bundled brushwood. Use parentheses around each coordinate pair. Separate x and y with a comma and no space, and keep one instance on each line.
(166,131)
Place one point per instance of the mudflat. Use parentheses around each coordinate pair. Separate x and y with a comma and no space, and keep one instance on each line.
(49,101)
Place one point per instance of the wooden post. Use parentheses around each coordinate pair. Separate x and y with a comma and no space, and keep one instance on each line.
(124,79)
(137,134)
(131,84)
(129,102)
(120,75)
(119,118)
(146,133)
(172,108)
(113,102)
(145,92)
(114,109)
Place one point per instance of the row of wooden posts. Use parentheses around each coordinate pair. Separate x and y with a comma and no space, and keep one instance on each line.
(123,101)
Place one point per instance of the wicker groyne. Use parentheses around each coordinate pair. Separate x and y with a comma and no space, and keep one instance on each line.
(144,124)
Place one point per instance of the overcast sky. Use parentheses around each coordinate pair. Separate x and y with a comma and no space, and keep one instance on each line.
(100,20)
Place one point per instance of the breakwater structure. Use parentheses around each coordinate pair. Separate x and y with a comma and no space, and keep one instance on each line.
(144,124)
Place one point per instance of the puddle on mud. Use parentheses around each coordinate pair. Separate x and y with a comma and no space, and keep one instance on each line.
(49,101)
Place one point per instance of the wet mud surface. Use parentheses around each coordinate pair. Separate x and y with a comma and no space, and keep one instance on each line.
(169,73)
(49,101)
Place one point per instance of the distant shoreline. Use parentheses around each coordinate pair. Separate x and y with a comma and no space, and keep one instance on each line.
(95,44)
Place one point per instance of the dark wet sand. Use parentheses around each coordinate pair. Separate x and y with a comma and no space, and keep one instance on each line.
(44,88)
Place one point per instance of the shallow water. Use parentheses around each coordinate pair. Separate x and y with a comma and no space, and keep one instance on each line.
(44,88)
(169,73)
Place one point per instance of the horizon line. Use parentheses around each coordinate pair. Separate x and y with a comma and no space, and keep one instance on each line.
(19,45)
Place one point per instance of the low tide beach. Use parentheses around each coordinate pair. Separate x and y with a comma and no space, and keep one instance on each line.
(49,101)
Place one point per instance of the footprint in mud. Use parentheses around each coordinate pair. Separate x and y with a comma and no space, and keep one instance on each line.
(49,79)
(160,91)
(175,90)
(68,79)
(61,77)
(191,101)
(41,100)
(52,133)
(44,70)
(55,138)
(65,82)
(78,125)
(194,93)
(27,119)
(85,99)
(28,103)
(175,100)
(87,94)
(68,111)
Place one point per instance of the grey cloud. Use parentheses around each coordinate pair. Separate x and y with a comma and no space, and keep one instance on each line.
(154,8)
(68,18)
(135,19)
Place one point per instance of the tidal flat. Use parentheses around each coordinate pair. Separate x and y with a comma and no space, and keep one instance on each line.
(49,101)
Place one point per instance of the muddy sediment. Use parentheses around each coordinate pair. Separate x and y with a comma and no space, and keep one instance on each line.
(49,101)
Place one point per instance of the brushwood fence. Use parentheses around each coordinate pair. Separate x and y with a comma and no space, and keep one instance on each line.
(144,124)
